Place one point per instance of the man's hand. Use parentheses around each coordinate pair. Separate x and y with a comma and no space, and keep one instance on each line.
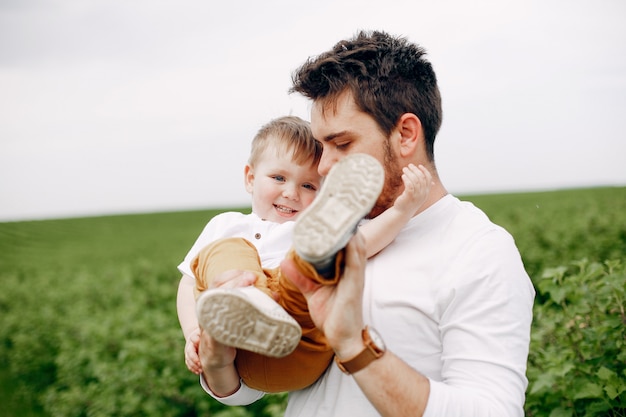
(233,279)
(337,310)
(218,360)
(213,355)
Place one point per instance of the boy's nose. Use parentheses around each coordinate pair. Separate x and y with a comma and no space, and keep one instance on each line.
(291,192)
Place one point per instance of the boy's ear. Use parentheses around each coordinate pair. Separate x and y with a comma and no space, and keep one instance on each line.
(248,174)
(411,134)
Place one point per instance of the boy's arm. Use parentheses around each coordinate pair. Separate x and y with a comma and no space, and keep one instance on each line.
(186,305)
(382,230)
(186,309)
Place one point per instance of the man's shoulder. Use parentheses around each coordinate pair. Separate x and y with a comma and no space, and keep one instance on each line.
(474,218)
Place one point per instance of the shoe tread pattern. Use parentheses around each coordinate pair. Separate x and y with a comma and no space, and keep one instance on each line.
(349,193)
(232,320)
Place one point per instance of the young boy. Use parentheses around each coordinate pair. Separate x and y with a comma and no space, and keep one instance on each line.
(278,347)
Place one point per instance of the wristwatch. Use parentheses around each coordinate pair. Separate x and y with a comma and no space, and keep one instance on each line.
(374,349)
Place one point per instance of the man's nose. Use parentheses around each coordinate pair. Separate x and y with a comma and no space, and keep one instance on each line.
(326,163)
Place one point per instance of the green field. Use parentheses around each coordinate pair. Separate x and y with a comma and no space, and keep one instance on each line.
(89,327)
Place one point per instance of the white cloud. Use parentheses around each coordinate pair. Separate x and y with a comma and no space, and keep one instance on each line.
(109,106)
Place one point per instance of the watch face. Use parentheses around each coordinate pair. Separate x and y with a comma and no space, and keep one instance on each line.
(376,339)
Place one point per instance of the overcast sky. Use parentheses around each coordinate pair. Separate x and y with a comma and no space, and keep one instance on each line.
(111,106)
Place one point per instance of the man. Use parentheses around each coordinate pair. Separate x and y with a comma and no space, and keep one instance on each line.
(438,323)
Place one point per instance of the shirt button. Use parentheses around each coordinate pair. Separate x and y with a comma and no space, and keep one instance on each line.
(257,236)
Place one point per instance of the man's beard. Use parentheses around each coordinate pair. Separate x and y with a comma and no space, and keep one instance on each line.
(393,183)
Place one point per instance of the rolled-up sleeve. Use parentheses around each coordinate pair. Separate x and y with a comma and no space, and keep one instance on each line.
(243,396)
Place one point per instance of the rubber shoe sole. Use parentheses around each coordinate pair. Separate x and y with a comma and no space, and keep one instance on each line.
(247,318)
(347,195)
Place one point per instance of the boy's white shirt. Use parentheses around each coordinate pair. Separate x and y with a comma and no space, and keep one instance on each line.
(272,240)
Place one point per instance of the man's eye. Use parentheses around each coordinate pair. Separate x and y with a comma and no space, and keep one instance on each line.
(342,145)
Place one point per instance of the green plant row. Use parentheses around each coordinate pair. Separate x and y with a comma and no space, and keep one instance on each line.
(577,364)
(89,326)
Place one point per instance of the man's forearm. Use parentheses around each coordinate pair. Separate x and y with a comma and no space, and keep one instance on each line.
(222,382)
(218,367)
(393,387)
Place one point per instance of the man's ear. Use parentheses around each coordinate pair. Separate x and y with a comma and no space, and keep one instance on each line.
(411,134)
(248,175)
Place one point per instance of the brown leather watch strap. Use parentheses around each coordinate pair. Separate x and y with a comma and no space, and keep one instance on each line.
(367,355)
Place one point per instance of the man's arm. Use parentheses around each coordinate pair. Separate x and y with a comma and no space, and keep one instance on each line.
(219,376)
(392,386)
(217,360)
(476,379)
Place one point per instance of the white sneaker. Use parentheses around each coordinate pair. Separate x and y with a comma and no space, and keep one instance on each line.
(347,195)
(247,318)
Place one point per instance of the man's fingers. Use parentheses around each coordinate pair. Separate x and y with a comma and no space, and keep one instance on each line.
(304,284)
(213,354)
(233,279)
(355,252)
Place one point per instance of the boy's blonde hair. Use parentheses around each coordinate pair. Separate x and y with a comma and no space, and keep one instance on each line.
(288,134)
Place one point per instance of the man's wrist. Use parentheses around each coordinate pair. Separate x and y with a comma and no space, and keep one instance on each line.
(372,348)
(222,382)
(350,347)
(221,394)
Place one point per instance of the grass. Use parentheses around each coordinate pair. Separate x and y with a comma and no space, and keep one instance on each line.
(88,304)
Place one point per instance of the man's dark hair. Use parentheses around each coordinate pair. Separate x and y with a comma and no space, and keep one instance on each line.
(388,77)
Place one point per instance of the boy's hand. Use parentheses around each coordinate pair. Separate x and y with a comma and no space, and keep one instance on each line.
(192,360)
(417,183)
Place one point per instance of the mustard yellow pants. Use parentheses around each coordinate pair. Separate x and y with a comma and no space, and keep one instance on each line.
(312,355)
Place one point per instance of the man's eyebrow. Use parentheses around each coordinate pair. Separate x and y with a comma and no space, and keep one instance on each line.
(333,136)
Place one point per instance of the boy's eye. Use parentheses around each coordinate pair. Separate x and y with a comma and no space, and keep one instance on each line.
(310,187)
(279,178)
